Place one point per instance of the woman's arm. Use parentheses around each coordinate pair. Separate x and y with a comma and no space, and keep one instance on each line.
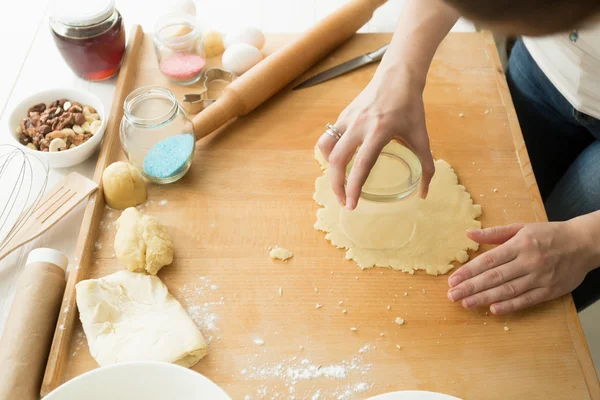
(391,106)
(533,263)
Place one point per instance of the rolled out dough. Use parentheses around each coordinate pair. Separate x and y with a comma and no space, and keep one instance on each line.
(439,236)
(130,316)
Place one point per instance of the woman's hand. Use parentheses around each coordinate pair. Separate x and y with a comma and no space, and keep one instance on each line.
(533,264)
(391,106)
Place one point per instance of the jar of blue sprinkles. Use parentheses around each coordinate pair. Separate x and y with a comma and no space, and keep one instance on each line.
(157,134)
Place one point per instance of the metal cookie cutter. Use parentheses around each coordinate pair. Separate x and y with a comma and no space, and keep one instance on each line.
(194,103)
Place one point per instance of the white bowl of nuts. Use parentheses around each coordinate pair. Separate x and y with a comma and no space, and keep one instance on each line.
(62,127)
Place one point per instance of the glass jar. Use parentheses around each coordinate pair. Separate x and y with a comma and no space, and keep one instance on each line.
(90,37)
(157,134)
(386,213)
(178,47)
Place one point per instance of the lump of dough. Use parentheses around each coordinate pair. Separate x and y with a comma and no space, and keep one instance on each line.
(280,253)
(129,316)
(123,186)
(142,243)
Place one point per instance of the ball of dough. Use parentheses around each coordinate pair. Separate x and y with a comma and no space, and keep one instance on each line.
(213,44)
(123,186)
(142,243)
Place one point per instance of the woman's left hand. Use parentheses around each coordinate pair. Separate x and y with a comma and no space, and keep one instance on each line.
(533,263)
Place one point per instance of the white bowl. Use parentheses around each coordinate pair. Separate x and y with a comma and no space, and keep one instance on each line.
(413,395)
(66,158)
(145,380)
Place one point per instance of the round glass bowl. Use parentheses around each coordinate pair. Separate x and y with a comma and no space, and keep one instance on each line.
(178,46)
(157,134)
(386,213)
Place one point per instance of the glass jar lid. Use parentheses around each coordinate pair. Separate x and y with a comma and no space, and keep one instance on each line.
(82,13)
(395,175)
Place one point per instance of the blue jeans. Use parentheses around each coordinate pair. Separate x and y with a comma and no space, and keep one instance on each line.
(564,149)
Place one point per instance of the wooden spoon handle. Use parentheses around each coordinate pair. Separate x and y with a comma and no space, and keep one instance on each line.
(277,70)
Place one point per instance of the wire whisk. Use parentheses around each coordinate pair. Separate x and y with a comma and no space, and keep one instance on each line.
(23,181)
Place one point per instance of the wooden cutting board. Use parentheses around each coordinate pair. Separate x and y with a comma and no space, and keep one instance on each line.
(251,187)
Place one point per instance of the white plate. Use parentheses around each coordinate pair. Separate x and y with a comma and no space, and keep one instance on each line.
(139,380)
(413,395)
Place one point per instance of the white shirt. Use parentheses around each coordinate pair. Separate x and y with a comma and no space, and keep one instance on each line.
(572,63)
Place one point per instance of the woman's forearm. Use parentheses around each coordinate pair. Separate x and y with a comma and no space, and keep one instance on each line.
(421,28)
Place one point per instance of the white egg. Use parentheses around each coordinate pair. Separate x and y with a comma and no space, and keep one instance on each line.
(248,35)
(182,7)
(240,57)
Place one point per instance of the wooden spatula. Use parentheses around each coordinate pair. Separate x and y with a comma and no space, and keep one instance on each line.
(69,192)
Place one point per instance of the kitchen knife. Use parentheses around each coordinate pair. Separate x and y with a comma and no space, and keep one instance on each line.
(345,67)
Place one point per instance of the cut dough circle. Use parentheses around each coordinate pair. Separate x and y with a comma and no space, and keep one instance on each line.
(123,186)
(129,316)
(439,237)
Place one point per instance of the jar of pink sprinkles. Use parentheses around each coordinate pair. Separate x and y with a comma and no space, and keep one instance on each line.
(178,46)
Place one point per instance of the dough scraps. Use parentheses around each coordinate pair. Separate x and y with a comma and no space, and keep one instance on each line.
(130,316)
(438,238)
(280,253)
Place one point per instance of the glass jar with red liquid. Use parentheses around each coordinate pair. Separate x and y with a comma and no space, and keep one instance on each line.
(90,36)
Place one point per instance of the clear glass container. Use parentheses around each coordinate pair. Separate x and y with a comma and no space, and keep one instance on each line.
(157,134)
(385,215)
(90,36)
(178,47)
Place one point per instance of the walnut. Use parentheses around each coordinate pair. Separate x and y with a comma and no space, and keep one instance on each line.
(78,139)
(31,131)
(63,121)
(75,109)
(41,107)
(43,129)
(35,119)
(78,118)
(44,118)
(54,104)
(44,144)
(54,112)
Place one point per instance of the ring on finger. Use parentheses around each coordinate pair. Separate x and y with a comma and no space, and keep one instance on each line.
(333,132)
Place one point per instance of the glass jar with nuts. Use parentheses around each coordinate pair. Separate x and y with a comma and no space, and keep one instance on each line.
(58,126)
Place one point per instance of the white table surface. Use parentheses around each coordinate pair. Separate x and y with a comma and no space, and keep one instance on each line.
(31,63)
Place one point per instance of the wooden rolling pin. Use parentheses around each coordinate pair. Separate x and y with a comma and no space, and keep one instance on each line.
(277,70)
(31,323)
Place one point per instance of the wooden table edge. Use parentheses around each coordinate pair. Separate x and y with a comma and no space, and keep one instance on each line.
(579,343)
